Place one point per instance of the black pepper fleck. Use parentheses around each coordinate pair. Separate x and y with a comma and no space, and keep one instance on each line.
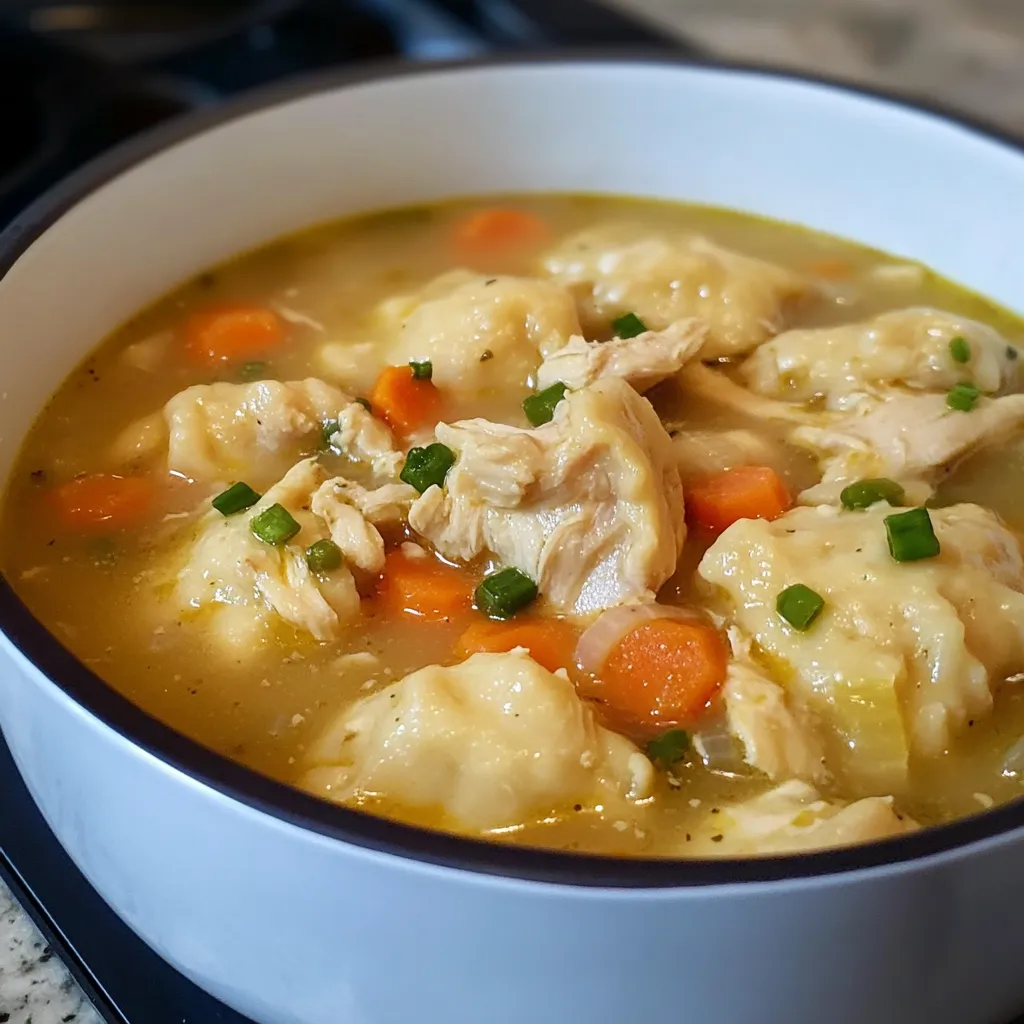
(577,807)
(485,355)
(717,839)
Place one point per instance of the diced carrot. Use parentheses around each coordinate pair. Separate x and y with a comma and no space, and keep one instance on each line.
(746,492)
(405,402)
(663,673)
(551,642)
(831,268)
(497,228)
(104,502)
(425,587)
(227,333)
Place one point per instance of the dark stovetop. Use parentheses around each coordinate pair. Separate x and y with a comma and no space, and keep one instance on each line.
(75,79)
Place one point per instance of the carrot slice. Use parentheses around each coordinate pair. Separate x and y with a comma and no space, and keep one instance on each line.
(104,501)
(228,333)
(746,492)
(664,672)
(831,268)
(405,402)
(551,642)
(425,587)
(491,230)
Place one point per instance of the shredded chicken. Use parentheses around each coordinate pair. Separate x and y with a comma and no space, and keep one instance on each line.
(642,361)
(590,505)
(364,438)
(494,742)
(665,277)
(908,347)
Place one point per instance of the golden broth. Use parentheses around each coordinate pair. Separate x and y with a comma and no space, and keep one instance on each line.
(265,710)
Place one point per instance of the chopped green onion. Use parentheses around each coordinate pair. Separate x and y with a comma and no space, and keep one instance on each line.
(365,403)
(323,556)
(423,370)
(866,493)
(274,525)
(629,325)
(963,397)
(505,592)
(425,467)
(540,408)
(252,371)
(669,747)
(330,428)
(237,498)
(1011,353)
(960,350)
(799,606)
(911,535)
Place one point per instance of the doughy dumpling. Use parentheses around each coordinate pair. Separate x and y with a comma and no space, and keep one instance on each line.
(903,654)
(909,347)
(793,818)
(589,506)
(642,361)
(662,277)
(494,742)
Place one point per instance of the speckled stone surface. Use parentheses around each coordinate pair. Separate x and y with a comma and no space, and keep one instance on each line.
(967,54)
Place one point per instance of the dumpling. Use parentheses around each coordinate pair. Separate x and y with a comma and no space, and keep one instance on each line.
(492,743)
(665,277)
(589,506)
(794,818)
(641,361)
(904,655)
(909,347)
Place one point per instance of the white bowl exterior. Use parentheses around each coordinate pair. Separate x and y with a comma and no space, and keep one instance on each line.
(293,928)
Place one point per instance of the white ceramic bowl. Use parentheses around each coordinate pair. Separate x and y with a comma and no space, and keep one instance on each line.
(297,912)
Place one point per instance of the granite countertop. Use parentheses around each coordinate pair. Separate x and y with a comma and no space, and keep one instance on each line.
(967,54)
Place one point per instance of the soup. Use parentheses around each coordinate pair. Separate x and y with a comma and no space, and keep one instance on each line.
(578,522)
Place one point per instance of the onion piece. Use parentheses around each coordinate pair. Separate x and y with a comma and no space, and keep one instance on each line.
(600,639)
(721,751)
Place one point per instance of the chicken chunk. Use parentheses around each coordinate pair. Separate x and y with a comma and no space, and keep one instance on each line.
(909,347)
(793,818)
(364,438)
(777,737)
(642,361)
(492,743)
(907,437)
(903,655)
(665,277)
(590,505)
(479,333)
(239,586)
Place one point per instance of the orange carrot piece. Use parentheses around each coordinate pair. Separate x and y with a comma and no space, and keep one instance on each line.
(104,502)
(551,642)
(746,492)
(831,268)
(497,228)
(227,333)
(425,587)
(405,402)
(664,672)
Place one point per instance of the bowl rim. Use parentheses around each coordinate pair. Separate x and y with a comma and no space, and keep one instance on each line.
(352,826)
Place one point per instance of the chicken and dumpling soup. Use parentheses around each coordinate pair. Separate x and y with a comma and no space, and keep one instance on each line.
(577,522)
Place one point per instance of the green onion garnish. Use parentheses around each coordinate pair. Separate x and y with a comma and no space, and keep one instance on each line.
(505,592)
(274,525)
(866,493)
(799,606)
(960,350)
(365,403)
(629,325)
(669,747)
(425,467)
(963,397)
(237,498)
(330,428)
(423,370)
(252,371)
(911,535)
(323,556)
(540,408)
